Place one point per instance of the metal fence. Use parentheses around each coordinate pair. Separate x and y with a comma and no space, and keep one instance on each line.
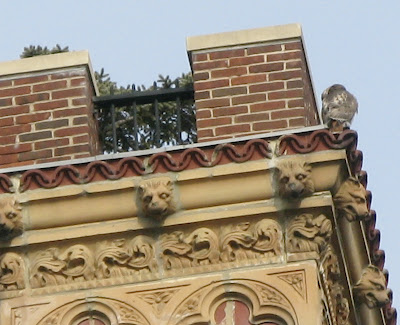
(146,119)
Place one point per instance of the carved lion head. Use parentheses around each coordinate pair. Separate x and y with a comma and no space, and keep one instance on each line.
(10,218)
(350,200)
(293,179)
(156,197)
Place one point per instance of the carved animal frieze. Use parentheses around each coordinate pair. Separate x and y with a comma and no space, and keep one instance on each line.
(293,179)
(350,200)
(156,197)
(52,267)
(307,233)
(12,269)
(121,257)
(371,288)
(10,218)
(243,241)
(198,248)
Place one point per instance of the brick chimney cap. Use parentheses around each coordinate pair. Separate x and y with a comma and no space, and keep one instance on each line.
(250,36)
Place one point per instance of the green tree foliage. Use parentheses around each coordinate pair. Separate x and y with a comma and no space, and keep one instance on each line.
(33,50)
(145,115)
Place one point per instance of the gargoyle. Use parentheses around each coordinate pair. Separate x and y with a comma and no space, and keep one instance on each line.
(293,178)
(10,218)
(350,200)
(371,288)
(156,197)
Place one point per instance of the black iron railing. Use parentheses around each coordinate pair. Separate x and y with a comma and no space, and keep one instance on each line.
(146,119)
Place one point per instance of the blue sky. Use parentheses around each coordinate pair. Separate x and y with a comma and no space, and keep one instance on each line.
(356,43)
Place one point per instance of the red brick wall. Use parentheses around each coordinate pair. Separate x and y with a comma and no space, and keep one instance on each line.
(47,116)
(249,90)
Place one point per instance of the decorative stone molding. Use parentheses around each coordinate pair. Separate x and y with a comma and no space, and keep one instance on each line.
(323,140)
(112,311)
(242,241)
(198,248)
(293,178)
(145,257)
(371,288)
(135,166)
(10,218)
(338,304)
(306,233)
(51,267)
(351,200)
(121,257)
(12,269)
(156,197)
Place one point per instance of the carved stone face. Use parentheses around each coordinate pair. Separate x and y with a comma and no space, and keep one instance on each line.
(294,179)
(350,200)
(371,288)
(156,196)
(10,218)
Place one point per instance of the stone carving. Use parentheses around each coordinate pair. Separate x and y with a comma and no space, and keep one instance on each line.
(371,288)
(307,233)
(50,267)
(293,178)
(10,218)
(334,290)
(12,269)
(158,299)
(296,280)
(199,248)
(136,258)
(350,200)
(243,242)
(156,198)
(120,258)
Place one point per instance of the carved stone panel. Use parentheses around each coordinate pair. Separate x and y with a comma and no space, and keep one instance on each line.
(12,269)
(308,233)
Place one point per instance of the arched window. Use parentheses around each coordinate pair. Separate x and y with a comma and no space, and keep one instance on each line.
(235,312)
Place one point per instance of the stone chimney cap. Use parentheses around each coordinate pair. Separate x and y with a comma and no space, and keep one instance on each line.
(46,63)
(258,35)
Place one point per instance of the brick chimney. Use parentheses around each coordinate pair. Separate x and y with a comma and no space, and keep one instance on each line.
(46,111)
(251,81)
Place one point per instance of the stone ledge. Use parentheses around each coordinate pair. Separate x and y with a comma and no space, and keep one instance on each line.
(250,36)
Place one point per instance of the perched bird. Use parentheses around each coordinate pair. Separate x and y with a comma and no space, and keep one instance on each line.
(338,107)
